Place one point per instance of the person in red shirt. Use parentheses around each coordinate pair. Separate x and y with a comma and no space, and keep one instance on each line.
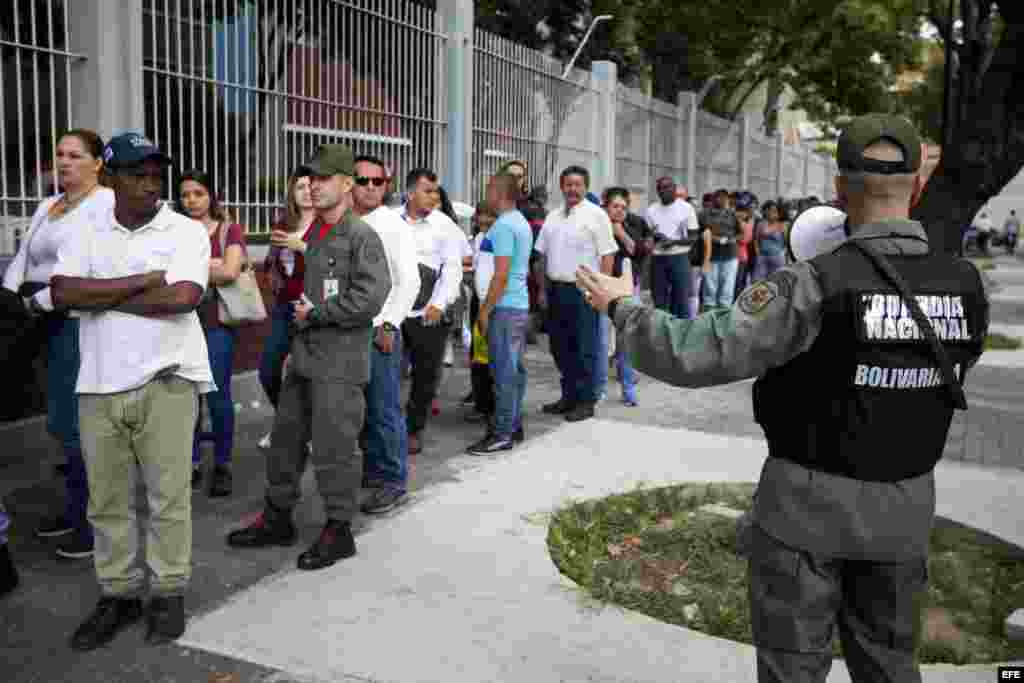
(285,265)
(199,201)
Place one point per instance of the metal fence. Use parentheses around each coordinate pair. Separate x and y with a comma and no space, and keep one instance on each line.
(35,74)
(523,109)
(248,89)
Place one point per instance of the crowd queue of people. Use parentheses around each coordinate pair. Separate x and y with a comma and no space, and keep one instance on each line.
(125,294)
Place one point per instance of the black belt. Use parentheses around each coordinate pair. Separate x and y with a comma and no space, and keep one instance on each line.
(563,284)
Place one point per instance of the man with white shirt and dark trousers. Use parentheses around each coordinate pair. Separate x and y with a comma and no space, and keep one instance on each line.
(138,275)
(574,234)
(676,228)
(439,247)
(384,437)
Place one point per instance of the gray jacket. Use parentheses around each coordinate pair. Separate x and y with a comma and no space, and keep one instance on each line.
(334,343)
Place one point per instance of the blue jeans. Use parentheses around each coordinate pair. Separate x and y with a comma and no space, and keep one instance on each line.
(693,302)
(670,283)
(275,350)
(220,346)
(720,283)
(768,264)
(62,361)
(604,340)
(385,436)
(623,365)
(506,344)
(573,331)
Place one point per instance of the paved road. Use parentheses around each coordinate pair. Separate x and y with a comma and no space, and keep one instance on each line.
(55,596)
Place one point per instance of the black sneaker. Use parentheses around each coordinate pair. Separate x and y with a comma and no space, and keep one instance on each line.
(110,616)
(78,547)
(583,411)
(519,435)
(492,444)
(58,526)
(335,543)
(197,478)
(165,620)
(384,499)
(220,482)
(8,573)
(559,407)
(272,527)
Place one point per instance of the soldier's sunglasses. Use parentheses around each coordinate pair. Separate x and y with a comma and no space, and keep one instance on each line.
(363,181)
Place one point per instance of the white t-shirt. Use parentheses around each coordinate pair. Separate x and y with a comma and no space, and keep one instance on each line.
(400,248)
(39,249)
(581,238)
(983,224)
(121,351)
(672,221)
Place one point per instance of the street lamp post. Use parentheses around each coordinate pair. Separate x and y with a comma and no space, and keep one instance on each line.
(586,37)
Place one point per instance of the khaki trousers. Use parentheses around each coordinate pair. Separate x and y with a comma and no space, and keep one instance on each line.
(148,429)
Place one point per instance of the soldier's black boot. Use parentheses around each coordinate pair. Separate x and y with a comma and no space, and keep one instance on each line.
(8,574)
(335,543)
(273,527)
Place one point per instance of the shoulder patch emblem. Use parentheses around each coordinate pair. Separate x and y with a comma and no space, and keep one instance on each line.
(757,297)
(785,281)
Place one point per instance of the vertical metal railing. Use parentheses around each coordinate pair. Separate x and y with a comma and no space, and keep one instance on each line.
(258,85)
(35,108)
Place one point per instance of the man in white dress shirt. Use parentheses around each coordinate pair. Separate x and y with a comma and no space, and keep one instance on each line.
(384,437)
(574,234)
(439,246)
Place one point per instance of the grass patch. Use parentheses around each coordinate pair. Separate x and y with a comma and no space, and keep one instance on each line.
(1001,342)
(652,551)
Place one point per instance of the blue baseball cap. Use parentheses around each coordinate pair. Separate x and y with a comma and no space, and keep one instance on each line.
(131,149)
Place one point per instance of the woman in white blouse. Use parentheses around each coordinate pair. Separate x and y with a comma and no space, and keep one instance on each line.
(58,219)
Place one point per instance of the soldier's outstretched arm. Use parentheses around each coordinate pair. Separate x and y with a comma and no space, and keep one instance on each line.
(773,321)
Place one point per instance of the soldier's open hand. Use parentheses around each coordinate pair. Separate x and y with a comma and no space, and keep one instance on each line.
(600,290)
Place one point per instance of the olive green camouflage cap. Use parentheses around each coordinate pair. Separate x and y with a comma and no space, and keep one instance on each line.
(333,160)
(864,131)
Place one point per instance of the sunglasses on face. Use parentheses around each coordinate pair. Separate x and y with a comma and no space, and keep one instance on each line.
(363,181)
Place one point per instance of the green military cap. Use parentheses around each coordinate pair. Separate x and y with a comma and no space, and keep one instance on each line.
(865,131)
(333,160)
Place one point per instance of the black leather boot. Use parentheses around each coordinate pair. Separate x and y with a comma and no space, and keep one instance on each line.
(273,527)
(335,543)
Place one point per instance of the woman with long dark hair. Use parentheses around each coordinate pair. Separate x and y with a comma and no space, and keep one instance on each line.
(285,265)
(770,234)
(56,222)
(198,200)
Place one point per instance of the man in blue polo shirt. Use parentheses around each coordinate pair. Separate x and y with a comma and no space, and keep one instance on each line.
(505,315)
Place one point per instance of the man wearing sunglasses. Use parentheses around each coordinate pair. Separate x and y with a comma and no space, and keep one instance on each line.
(384,437)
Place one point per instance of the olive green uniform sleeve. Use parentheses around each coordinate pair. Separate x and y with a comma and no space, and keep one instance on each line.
(773,321)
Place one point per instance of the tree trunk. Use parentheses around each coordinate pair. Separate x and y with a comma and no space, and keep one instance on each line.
(988,143)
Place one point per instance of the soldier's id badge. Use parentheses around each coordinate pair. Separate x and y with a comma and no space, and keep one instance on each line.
(330,288)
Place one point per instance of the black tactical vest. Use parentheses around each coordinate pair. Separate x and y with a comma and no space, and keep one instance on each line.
(866,401)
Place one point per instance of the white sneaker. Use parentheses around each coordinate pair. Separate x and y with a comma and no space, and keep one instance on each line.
(264,443)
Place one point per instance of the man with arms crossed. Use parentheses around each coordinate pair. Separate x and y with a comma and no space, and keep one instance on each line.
(135,280)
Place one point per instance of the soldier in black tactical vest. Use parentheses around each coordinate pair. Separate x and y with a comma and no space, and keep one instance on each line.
(861,354)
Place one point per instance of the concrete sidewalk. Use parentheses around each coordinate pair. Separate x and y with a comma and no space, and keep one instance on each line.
(462,588)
